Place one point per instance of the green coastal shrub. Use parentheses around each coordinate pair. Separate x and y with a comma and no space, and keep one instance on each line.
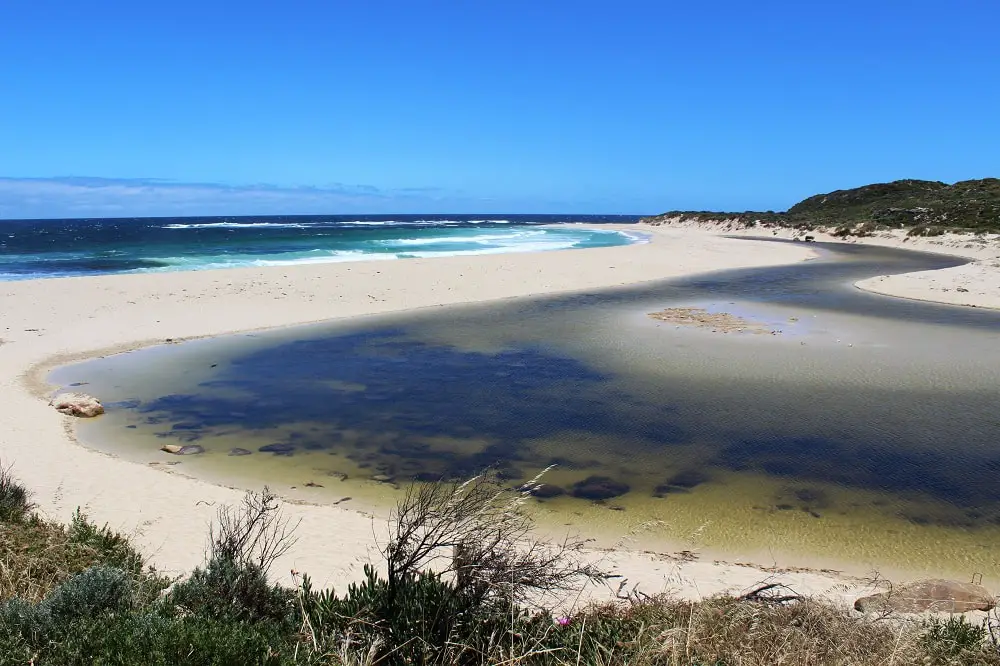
(111,548)
(421,619)
(225,589)
(227,613)
(953,638)
(93,593)
(15,503)
(151,639)
(926,230)
(146,638)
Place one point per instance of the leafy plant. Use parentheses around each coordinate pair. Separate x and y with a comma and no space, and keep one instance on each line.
(111,548)
(227,589)
(953,637)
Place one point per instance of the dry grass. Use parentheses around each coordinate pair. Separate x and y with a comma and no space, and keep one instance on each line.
(36,555)
(735,632)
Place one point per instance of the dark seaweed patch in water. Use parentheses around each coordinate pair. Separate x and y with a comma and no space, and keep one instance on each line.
(410,387)
(873,467)
(385,384)
(82,266)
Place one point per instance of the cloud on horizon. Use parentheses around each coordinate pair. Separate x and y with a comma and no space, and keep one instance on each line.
(75,196)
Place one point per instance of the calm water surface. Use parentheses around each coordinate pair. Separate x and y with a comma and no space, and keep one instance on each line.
(865,429)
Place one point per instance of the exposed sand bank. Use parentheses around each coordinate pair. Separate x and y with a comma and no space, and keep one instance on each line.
(974,284)
(50,322)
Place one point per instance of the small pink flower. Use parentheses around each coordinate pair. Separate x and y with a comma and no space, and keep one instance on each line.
(562,621)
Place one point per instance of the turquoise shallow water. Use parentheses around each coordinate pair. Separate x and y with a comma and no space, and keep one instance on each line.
(865,430)
(59,248)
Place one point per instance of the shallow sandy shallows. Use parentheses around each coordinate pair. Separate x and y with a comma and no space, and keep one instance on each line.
(49,322)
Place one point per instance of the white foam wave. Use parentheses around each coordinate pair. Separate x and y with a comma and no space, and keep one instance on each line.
(510,238)
(328,223)
(243,225)
(635,237)
(245,261)
(519,240)
(543,246)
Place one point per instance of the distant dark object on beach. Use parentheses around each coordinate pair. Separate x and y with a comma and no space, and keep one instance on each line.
(810,239)
(599,488)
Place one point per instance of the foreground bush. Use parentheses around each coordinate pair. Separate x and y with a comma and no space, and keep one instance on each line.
(462,570)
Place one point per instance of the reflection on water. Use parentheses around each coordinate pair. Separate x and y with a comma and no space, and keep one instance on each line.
(867,428)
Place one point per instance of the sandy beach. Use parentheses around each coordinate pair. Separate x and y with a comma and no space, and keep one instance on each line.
(51,322)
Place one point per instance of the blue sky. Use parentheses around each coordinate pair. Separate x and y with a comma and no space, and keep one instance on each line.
(184,107)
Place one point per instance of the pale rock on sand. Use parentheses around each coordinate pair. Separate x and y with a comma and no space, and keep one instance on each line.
(52,322)
(77,404)
(935,595)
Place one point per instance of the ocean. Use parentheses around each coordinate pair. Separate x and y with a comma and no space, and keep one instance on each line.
(32,249)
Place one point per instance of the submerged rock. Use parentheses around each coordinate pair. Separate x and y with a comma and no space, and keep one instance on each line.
(599,488)
(935,595)
(382,478)
(186,450)
(278,449)
(543,490)
(77,404)
(689,478)
(667,489)
(510,473)
(812,497)
(239,452)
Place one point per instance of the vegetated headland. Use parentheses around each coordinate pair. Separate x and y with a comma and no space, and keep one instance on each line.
(923,207)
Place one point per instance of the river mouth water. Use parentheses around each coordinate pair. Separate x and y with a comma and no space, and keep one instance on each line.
(865,429)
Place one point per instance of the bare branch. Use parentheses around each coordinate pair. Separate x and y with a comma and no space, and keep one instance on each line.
(477,531)
(253,533)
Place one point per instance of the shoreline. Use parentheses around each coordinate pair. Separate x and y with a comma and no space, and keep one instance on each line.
(171,523)
(974,284)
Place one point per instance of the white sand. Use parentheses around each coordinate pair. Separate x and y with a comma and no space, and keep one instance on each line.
(50,322)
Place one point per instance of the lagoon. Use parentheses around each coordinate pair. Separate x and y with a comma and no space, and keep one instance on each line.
(863,430)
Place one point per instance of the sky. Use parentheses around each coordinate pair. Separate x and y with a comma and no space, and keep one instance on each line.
(113,108)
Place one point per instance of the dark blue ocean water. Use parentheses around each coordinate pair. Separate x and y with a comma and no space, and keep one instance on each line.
(62,248)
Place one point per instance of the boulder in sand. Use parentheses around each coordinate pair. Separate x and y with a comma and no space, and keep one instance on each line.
(178,450)
(77,404)
(934,595)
